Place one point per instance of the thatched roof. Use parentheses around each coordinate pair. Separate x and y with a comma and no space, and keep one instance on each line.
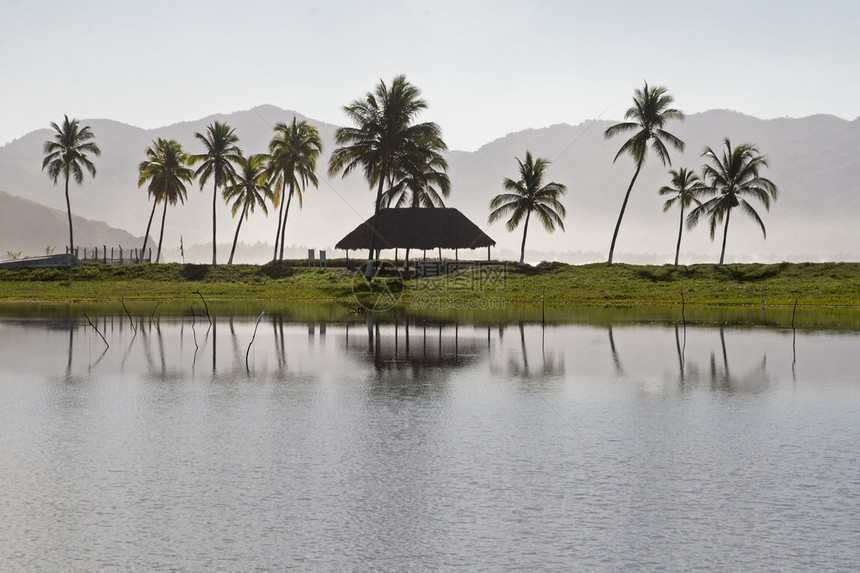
(417,228)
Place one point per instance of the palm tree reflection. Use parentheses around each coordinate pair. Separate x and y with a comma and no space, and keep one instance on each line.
(520,363)
(722,379)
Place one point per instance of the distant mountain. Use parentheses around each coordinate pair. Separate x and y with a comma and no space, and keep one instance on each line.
(813,160)
(32,229)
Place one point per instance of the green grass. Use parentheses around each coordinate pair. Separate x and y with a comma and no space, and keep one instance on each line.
(810,284)
(817,284)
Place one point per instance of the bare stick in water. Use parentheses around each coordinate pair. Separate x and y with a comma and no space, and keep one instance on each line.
(194,331)
(154,309)
(247,352)
(128,314)
(205,306)
(97,330)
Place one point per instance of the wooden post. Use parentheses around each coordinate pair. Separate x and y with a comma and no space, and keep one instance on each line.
(104,254)
(489,258)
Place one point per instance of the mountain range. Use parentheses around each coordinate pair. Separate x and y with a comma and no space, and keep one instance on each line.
(813,161)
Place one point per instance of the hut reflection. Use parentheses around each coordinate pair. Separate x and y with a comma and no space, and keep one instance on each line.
(411,341)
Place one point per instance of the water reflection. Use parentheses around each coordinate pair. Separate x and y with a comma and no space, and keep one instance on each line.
(673,357)
(380,442)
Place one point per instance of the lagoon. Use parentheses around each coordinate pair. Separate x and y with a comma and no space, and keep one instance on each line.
(593,440)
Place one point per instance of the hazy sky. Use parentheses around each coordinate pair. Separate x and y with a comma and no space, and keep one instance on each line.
(485,68)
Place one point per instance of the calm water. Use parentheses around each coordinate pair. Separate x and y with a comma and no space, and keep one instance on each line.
(413,445)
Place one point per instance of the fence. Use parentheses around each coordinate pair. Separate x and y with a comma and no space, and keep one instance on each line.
(112,256)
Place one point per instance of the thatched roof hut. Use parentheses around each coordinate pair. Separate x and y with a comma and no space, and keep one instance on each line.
(417,228)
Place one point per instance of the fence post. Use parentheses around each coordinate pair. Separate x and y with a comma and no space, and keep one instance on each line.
(104,253)
(150,255)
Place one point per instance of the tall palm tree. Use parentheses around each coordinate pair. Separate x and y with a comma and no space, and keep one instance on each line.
(733,177)
(65,154)
(383,137)
(686,187)
(221,152)
(249,189)
(529,195)
(167,168)
(649,114)
(419,181)
(293,154)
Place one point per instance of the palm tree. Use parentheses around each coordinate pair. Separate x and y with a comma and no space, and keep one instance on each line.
(383,137)
(249,189)
(167,168)
(293,154)
(421,181)
(65,154)
(732,178)
(649,114)
(529,195)
(219,142)
(686,187)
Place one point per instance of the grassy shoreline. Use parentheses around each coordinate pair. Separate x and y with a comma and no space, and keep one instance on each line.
(783,284)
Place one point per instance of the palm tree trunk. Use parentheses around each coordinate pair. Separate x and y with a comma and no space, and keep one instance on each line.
(236,236)
(621,214)
(680,230)
(280,219)
(725,235)
(368,271)
(286,214)
(161,234)
(148,227)
(525,230)
(69,211)
(214,203)
(284,226)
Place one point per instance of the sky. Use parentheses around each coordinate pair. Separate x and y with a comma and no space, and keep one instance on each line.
(486,68)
